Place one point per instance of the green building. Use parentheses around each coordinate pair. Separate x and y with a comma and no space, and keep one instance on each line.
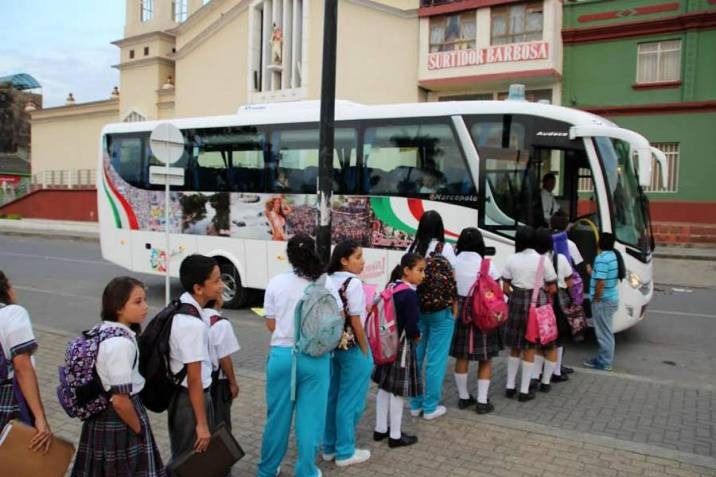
(650,66)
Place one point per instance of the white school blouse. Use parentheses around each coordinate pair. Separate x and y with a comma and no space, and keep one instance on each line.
(354,294)
(16,336)
(521,269)
(448,251)
(282,294)
(189,343)
(467,266)
(564,269)
(118,362)
(574,252)
(222,339)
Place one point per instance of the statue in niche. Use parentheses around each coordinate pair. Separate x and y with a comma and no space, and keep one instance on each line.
(276,43)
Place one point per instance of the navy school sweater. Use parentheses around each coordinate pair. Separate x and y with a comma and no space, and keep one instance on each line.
(408,312)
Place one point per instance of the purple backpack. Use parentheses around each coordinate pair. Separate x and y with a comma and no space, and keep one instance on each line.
(80,391)
(560,244)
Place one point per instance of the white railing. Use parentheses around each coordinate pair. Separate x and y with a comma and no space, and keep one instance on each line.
(68,178)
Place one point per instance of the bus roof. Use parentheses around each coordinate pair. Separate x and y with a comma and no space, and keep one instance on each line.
(296,112)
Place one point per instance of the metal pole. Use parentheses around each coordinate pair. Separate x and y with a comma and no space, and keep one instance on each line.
(168,253)
(326,135)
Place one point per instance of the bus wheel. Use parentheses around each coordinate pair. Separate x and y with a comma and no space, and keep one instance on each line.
(235,295)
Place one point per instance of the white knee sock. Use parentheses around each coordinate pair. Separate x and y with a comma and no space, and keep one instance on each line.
(537,369)
(461,383)
(382,404)
(483,385)
(513,364)
(558,367)
(548,369)
(396,416)
(526,376)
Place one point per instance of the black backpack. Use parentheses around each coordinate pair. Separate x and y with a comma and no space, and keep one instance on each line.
(160,383)
(439,289)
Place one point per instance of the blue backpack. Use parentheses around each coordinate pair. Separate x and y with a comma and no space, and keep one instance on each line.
(560,245)
(318,324)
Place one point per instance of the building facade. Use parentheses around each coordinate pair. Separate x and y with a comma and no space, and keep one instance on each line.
(648,65)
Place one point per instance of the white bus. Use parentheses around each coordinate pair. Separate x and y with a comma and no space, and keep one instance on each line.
(250,182)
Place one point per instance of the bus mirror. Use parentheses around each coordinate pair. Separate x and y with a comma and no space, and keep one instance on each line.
(490,251)
(660,158)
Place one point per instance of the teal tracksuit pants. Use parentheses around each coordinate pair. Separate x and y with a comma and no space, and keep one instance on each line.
(350,378)
(436,331)
(312,381)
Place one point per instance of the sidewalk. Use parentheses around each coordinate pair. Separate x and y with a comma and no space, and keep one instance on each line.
(459,444)
(51,228)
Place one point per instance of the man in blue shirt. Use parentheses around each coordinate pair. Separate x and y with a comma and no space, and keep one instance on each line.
(604,294)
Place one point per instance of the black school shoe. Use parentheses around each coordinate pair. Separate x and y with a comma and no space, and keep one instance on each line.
(560,379)
(524,397)
(379,436)
(405,440)
(484,408)
(510,393)
(567,370)
(545,388)
(465,403)
(534,384)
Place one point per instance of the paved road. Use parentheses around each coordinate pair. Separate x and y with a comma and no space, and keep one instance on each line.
(662,394)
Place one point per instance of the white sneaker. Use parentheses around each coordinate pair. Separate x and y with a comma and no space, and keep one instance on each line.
(360,455)
(416,412)
(278,471)
(328,457)
(439,411)
(319,474)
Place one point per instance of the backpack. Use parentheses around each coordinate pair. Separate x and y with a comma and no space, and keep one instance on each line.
(80,391)
(560,245)
(318,325)
(5,364)
(485,305)
(160,383)
(348,338)
(382,326)
(438,290)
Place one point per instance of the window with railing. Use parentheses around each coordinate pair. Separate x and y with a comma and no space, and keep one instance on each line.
(671,151)
(658,62)
(516,23)
(453,32)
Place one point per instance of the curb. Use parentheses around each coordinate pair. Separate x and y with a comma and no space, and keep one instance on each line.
(89,231)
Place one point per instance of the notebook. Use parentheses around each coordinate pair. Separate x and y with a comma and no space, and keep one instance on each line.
(19,461)
(223,452)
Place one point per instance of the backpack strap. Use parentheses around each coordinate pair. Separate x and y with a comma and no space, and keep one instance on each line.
(187,309)
(342,293)
(538,281)
(439,248)
(214,319)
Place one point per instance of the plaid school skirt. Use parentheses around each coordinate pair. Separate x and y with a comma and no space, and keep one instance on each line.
(108,447)
(400,377)
(8,405)
(485,346)
(513,332)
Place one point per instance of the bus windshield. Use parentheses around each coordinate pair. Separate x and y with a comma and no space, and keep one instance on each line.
(630,205)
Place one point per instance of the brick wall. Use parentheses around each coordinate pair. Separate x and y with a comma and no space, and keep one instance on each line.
(55,204)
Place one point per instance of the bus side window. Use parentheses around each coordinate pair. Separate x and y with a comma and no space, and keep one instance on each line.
(126,158)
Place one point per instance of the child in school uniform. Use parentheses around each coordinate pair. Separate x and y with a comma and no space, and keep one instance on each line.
(469,343)
(222,345)
(351,364)
(519,279)
(17,344)
(191,412)
(401,378)
(283,293)
(119,440)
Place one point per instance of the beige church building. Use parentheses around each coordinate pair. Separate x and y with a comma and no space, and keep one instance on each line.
(183,58)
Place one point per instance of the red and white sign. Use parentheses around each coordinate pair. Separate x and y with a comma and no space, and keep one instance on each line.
(538,50)
(10,180)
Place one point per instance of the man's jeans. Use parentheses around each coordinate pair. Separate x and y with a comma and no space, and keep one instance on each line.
(603,318)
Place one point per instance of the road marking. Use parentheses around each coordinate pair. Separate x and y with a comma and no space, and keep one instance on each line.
(59,259)
(681,313)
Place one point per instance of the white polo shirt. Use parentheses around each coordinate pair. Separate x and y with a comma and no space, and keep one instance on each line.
(189,343)
(574,252)
(222,339)
(118,362)
(467,266)
(354,294)
(16,336)
(282,295)
(521,269)
(564,269)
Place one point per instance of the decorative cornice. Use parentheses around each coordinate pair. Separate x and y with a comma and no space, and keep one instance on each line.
(199,15)
(128,65)
(84,109)
(660,85)
(132,40)
(689,21)
(213,28)
(692,107)
(627,12)
(454,7)
(486,78)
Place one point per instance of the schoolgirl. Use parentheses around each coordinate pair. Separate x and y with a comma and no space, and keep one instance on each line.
(282,295)
(436,326)
(519,279)
(119,440)
(402,378)
(469,343)
(351,364)
(222,345)
(17,344)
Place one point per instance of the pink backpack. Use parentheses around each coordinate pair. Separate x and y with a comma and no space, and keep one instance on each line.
(382,326)
(485,305)
(541,322)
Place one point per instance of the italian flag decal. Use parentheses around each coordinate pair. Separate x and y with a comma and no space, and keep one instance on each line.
(404,214)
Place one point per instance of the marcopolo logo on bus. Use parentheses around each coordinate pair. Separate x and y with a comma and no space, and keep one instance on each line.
(495,54)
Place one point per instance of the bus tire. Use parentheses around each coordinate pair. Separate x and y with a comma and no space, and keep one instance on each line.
(235,295)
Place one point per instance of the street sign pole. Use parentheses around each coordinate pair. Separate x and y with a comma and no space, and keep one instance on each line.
(326,135)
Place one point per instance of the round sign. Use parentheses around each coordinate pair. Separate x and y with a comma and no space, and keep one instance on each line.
(167,143)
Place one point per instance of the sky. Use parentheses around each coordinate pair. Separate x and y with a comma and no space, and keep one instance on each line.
(64,45)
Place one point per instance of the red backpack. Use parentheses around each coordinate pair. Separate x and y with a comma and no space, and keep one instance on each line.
(485,305)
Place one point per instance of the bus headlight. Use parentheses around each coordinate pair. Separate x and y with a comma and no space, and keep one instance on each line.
(633,279)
